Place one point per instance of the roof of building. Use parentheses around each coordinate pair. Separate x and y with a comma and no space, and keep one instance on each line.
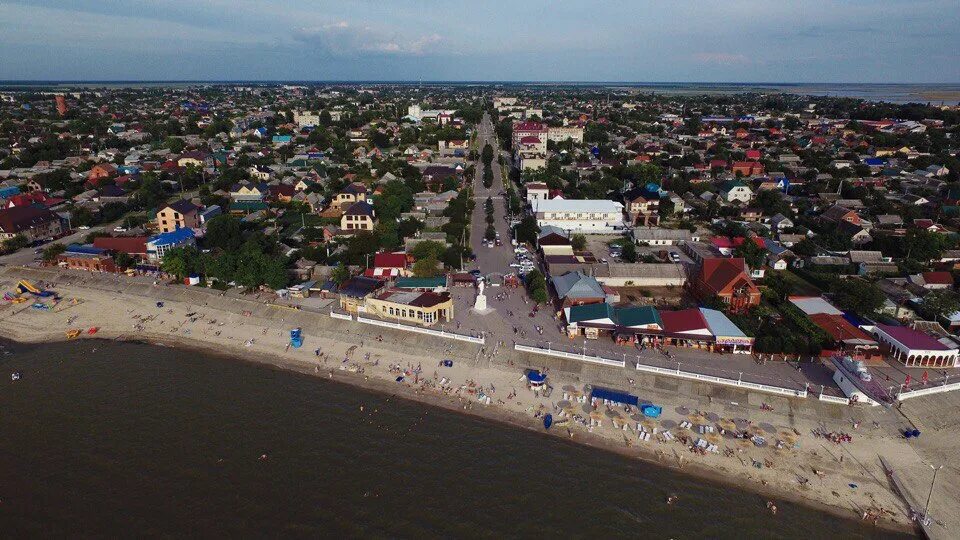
(421,282)
(360,208)
(131,245)
(840,329)
(656,233)
(938,278)
(634,270)
(359,286)
(390,260)
(576,205)
(683,321)
(577,285)
(633,316)
(812,305)
(173,237)
(22,218)
(182,206)
(590,312)
(719,273)
(415,299)
(720,325)
(912,339)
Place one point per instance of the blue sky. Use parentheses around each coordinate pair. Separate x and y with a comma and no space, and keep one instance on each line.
(909,41)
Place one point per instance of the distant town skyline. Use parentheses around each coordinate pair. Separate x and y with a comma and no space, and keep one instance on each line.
(835,41)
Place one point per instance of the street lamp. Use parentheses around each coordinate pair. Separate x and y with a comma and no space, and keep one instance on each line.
(926,507)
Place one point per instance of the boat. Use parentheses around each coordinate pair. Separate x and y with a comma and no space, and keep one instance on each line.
(858,368)
(15,376)
(547,421)
(93,330)
(73,333)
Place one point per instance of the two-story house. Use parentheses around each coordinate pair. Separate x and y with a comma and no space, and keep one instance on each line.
(182,214)
(359,216)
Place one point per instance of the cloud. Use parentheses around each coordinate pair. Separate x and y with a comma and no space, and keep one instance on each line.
(341,38)
(721,58)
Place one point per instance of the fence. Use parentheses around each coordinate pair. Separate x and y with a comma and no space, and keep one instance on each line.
(724,381)
(927,391)
(833,399)
(344,316)
(416,329)
(571,356)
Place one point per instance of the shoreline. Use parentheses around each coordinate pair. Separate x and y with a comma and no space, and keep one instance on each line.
(496,416)
(225,328)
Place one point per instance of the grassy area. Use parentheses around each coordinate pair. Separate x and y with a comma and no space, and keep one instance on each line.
(801,287)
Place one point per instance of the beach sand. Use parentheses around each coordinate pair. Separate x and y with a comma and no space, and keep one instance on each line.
(364,356)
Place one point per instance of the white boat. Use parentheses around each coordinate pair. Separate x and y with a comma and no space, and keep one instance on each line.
(15,376)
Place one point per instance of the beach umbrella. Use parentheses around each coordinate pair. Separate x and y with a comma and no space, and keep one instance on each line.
(682,411)
(569,388)
(713,417)
(768,427)
(727,424)
(714,438)
(668,424)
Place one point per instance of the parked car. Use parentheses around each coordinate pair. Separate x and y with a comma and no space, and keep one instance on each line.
(674,257)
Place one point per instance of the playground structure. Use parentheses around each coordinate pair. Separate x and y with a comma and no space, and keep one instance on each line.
(24,287)
(296,338)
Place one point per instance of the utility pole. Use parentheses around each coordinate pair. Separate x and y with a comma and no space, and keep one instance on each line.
(926,507)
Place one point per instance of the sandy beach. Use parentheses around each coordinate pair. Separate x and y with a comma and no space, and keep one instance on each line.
(844,478)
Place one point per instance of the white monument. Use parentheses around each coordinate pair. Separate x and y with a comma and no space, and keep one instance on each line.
(480,304)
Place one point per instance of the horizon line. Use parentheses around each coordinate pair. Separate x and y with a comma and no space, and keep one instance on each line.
(457,81)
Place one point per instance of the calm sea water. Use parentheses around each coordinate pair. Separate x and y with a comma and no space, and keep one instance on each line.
(109,439)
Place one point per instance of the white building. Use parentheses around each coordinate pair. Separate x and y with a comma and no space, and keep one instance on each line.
(537,191)
(560,134)
(306,118)
(580,215)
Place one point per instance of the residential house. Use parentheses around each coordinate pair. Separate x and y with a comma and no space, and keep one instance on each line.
(30,222)
(728,280)
(182,214)
(736,191)
(360,216)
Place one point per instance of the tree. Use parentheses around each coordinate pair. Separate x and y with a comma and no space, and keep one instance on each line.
(487,155)
(539,295)
(426,267)
(180,261)
(941,303)
(223,232)
(426,249)
(629,252)
(123,259)
(751,253)
(857,295)
(578,242)
(51,252)
(527,230)
(340,274)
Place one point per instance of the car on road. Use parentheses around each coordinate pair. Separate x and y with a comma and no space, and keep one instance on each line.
(475,273)
(83,228)
(119,228)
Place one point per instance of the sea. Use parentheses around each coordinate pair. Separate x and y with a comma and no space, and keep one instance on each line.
(900,93)
(109,439)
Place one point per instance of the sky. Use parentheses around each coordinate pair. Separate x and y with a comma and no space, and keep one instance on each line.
(870,41)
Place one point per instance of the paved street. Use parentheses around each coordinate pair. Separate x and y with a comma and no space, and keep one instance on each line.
(515,321)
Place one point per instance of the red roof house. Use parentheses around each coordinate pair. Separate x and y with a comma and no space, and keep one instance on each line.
(728,280)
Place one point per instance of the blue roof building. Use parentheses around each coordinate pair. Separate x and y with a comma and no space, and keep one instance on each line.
(159,245)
